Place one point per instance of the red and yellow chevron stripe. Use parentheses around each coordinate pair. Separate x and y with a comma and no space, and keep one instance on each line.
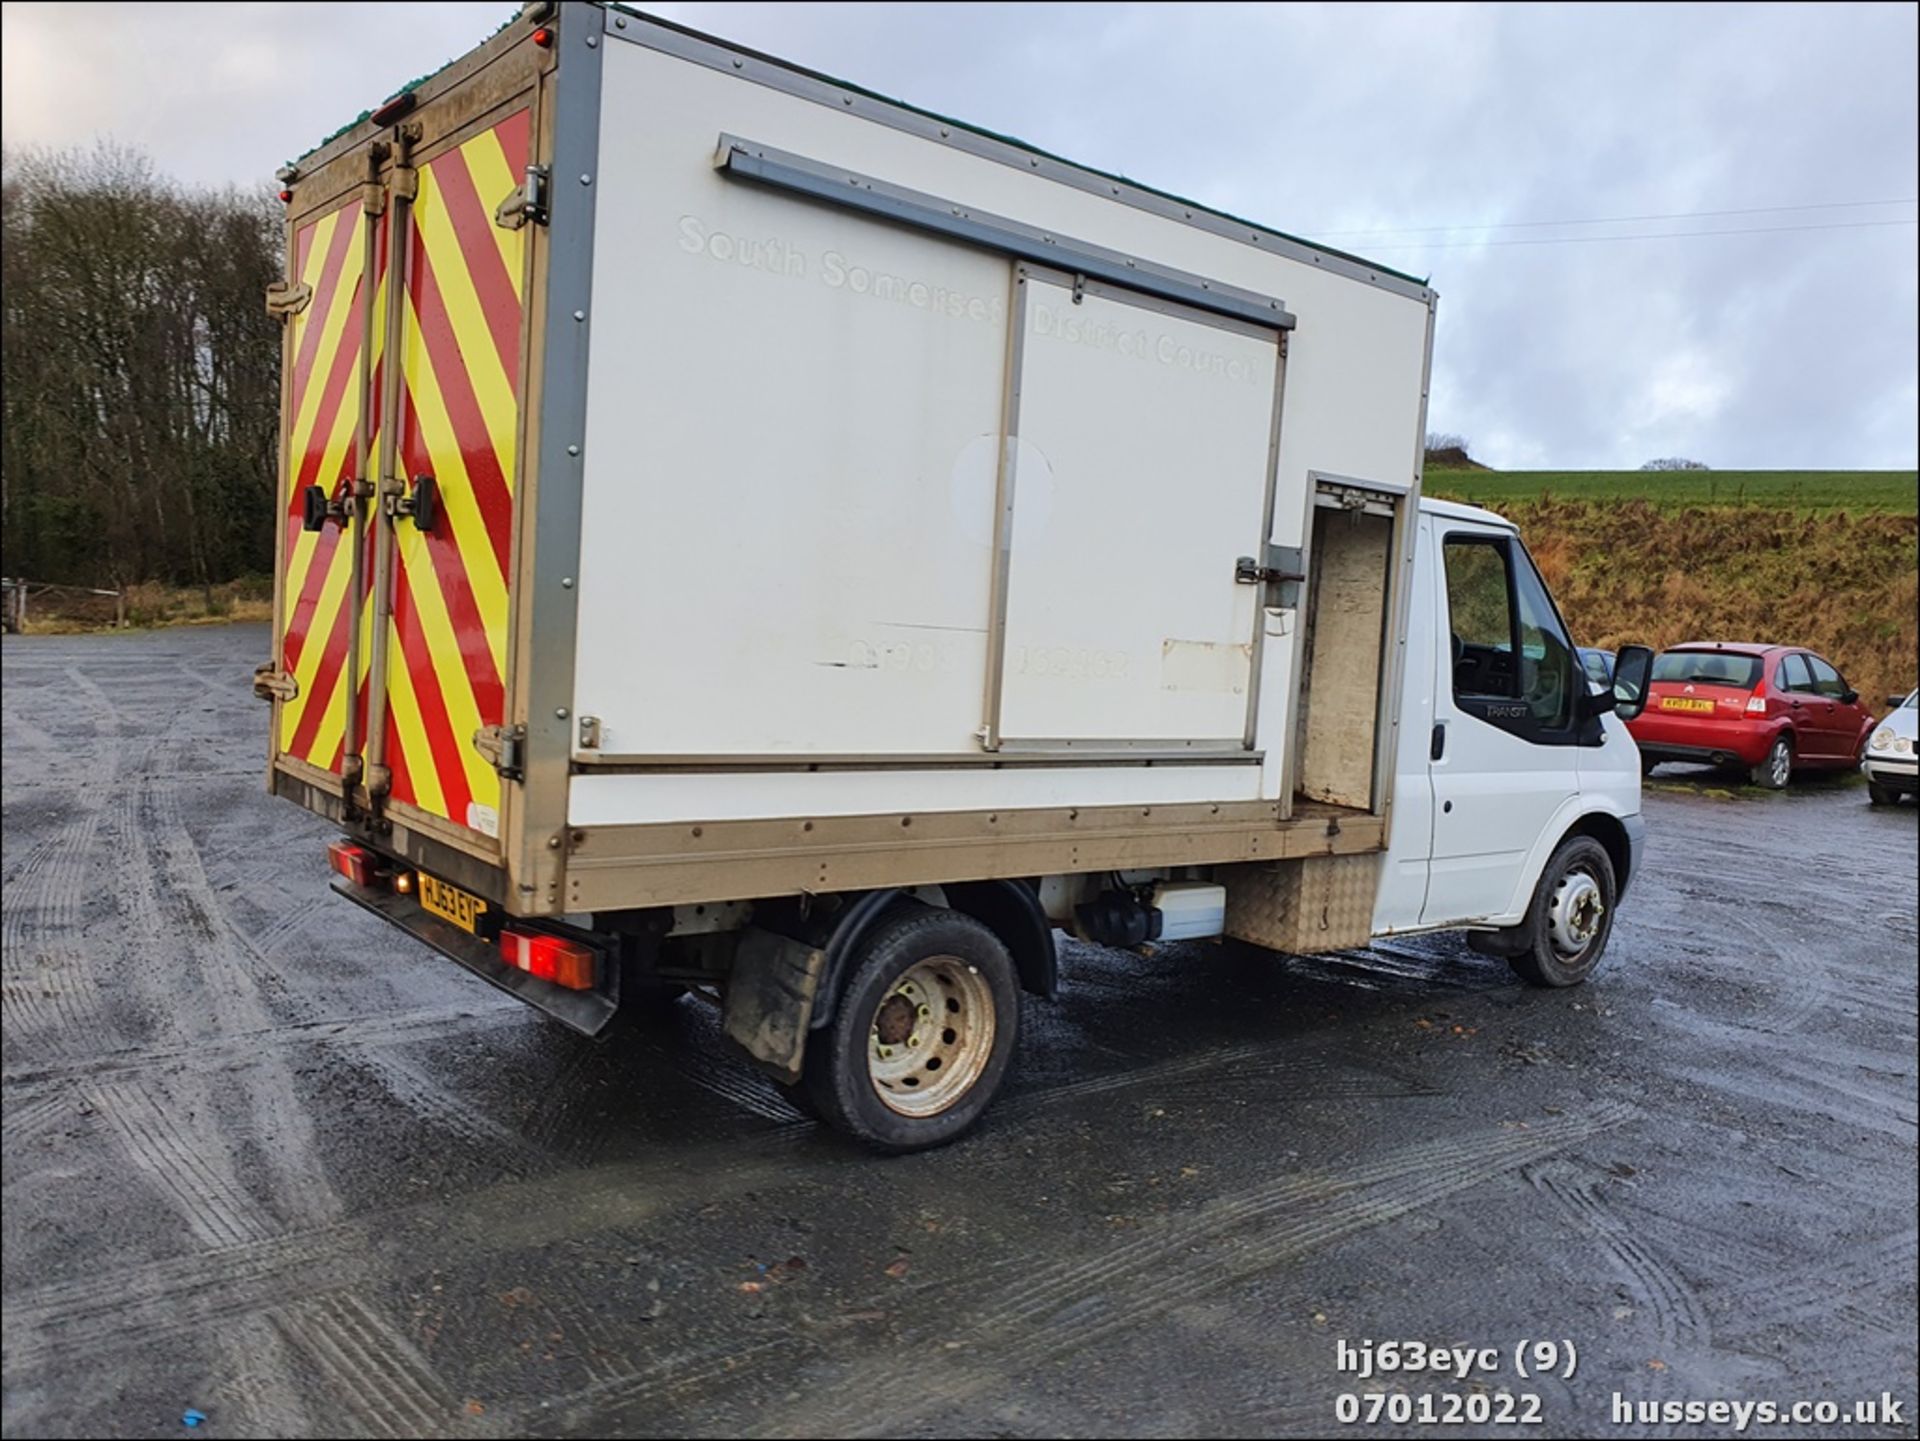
(460,358)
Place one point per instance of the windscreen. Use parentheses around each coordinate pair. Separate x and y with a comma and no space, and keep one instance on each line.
(1708,667)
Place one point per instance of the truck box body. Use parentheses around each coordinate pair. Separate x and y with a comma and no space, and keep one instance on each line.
(824,495)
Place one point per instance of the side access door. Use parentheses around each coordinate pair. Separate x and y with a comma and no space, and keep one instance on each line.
(1504,742)
(403,431)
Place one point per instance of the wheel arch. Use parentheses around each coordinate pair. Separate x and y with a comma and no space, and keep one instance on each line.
(1611,832)
(1008,908)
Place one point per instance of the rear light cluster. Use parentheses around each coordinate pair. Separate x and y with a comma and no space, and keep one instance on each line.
(1757,702)
(356,863)
(549,958)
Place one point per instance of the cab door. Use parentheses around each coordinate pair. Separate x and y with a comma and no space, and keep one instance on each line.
(1503,756)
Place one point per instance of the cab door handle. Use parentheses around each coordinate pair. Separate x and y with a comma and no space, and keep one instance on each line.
(1437,747)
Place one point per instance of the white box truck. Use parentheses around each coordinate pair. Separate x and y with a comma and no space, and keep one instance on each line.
(743,534)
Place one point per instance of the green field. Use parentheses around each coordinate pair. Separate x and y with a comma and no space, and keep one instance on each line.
(1859,491)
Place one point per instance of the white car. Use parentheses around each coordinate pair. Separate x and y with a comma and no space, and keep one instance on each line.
(1891,763)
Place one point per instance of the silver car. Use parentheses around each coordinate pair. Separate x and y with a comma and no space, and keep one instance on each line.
(1891,762)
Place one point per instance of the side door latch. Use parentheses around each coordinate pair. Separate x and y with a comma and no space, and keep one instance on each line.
(1282,574)
(503,748)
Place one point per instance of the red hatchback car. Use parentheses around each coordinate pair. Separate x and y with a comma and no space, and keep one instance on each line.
(1774,709)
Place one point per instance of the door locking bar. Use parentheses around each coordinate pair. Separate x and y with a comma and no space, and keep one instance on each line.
(317,507)
(421,505)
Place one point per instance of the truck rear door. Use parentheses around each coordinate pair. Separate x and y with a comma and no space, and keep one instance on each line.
(448,470)
(402,427)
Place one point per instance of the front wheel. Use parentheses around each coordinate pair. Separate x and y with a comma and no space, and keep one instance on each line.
(1571,917)
(1777,768)
(1879,795)
(922,1036)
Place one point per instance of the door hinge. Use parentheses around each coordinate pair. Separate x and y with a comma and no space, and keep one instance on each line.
(288,297)
(589,732)
(272,683)
(528,204)
(503,748)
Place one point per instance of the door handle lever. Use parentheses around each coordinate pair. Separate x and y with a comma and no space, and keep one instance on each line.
(1438,746)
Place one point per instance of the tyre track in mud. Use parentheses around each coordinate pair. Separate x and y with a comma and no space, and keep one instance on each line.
(163,1298)
(1846,1277)
(137,1306)
(171,1153)
(245,962)
(378,1374)
(1297,1076)
(240,1048)
(1676,1316)
(1065,1306)
(32,1116)
(49,994)
(169,1125)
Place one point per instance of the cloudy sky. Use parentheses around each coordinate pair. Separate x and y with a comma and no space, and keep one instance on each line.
(1438,139)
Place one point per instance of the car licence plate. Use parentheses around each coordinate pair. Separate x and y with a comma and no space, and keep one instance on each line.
(1675,702)
(450,903)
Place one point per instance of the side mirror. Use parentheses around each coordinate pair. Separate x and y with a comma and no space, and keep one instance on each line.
(1632,672)
(1896,701)
(1848,697)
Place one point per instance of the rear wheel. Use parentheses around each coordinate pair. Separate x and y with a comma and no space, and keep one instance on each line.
(1571,917)
(1647,763)
(1776,769)
(1879,795)
(922,1036)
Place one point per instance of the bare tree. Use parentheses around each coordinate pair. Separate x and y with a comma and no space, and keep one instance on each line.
(140,373)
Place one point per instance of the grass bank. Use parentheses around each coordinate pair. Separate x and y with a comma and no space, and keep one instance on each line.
(1892,491)
(1844,584)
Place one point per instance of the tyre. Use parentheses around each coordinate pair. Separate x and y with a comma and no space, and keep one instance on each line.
(1776,769)
(1647,763)
(1571,917)
(1879,795)
(922,1036)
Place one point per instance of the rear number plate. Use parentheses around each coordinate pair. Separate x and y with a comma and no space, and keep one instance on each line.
(1674,702)
(450,903)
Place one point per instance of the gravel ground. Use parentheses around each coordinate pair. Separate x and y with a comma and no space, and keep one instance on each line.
(266,1158)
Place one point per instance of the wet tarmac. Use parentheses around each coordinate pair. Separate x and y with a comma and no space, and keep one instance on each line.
(267,1159)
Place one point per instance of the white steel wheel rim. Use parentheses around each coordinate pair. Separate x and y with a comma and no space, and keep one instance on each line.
(1779,763)
(1578,910)
(931,1036)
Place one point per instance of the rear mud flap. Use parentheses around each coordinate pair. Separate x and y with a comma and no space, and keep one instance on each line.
(587,1012)
(770,995)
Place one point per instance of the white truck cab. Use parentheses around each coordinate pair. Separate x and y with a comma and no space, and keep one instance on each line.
(1501,766)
